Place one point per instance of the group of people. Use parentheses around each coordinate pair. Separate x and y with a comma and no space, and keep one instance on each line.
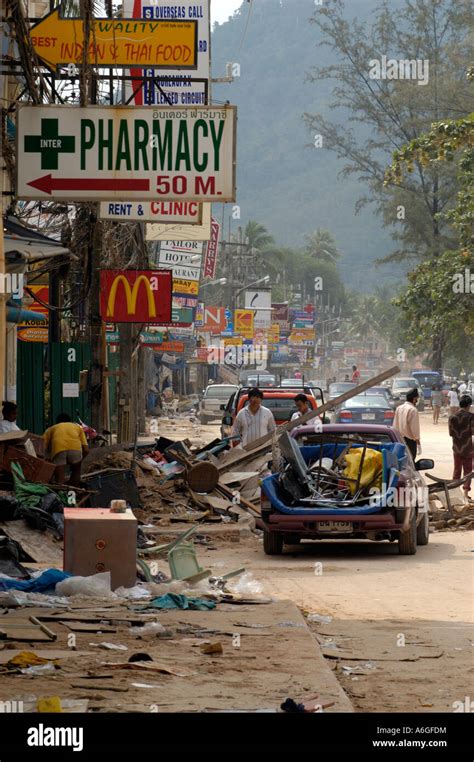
(65,443)
(461,431)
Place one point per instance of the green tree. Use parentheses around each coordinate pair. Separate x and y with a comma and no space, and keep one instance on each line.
(394,111)
(257,235)
(322,246)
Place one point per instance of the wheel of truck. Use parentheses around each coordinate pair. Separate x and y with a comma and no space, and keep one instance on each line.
(423,530)
(407,540)
(272,543)
(291,539)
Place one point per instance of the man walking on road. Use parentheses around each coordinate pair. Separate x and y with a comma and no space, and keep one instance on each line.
(436,402)
(407,421)
(461,429)
(355,375)
(253,421)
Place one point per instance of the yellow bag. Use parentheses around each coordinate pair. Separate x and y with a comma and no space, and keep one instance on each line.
(372,467)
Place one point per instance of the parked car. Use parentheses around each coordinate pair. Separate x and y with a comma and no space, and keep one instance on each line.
(384,391)
(335,390)
(400,515)
(281,401)
(426,379)
(215,395)
(402,385)
(365,408)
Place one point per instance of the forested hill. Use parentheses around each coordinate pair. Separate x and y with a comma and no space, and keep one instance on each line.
(290,188)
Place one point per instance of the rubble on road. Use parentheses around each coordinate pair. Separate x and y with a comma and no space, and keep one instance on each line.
(461,517)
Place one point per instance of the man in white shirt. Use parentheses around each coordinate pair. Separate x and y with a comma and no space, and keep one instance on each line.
(462,389)
(302,403)
(253,421)
(9,412)
(407,421)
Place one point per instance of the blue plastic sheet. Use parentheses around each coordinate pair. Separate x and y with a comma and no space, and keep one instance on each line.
(45,583)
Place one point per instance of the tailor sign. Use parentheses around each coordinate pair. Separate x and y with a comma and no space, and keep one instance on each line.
(166,44)
(136,296)
(122,152)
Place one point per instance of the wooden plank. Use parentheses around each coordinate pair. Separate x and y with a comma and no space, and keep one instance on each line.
(267,439)
(39,545)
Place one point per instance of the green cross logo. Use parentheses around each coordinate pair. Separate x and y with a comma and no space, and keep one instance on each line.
(50,144)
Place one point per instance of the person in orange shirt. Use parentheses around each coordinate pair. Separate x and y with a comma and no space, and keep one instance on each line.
(67,445)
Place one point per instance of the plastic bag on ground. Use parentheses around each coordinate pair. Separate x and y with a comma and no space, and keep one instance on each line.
(319,618)
(95,586)
(150,629)
(136,593)
(245,585)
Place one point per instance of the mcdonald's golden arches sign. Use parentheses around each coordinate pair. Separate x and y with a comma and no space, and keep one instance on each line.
(136,296)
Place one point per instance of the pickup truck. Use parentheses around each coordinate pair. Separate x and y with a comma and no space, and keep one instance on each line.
(295,507)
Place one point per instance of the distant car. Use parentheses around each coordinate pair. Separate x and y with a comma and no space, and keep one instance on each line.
(401,386)
(292,382)
(335,390)
(262,380)
(214,397)
(384,391)
(426,379)
(365,408)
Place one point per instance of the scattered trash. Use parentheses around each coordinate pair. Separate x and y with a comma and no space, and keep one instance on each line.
(176,601)
(211,648)
(150,629)
(40,669)
(50,704)
(47,580)
(95,586)
(110,646)
(288,624)
(361,669)
(319,618)
(246,584)
(139,657)
(136,593)
(26,659)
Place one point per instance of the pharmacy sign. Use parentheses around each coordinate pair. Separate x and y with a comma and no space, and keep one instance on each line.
(126,153)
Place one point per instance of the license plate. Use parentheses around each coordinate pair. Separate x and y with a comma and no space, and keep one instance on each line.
(367,416)
(334,526)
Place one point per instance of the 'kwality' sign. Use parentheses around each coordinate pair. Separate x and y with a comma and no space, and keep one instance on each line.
(120,152)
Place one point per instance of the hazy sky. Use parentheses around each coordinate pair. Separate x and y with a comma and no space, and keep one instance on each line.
(222,9)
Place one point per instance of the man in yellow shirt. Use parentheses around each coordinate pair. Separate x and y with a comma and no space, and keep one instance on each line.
(67,445)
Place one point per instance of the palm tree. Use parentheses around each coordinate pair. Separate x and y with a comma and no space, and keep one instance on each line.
(322,246)
(257,235)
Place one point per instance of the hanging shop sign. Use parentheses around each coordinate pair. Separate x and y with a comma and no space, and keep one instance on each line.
(136,296)
(161,212)
(126,153)
(123,42)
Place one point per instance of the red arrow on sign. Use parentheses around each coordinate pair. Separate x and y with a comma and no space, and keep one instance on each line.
(48,184)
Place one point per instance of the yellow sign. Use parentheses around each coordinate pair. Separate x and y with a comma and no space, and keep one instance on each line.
(185,286)
(243,323)
(273,334)
(237,342)
(116,42)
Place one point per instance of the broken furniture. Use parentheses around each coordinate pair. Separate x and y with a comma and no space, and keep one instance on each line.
(444,485)
(98,540)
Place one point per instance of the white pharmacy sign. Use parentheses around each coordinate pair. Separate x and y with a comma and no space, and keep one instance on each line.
(181,232)
(161,212)
(126,153)
(177,87)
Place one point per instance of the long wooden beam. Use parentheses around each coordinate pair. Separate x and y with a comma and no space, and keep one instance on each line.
(321,410)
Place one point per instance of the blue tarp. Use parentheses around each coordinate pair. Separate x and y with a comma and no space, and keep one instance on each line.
(45,583)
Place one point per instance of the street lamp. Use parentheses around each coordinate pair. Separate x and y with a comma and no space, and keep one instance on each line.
(219,282)
(265,280)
